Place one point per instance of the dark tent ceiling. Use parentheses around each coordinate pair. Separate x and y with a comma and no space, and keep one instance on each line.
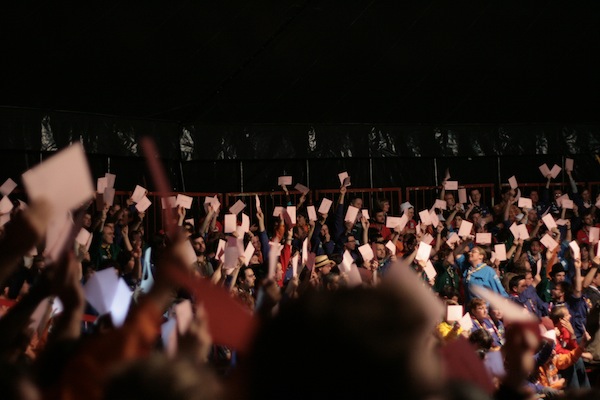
(306,61)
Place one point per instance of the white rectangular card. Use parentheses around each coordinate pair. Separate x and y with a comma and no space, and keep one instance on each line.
(465,228)
(138,193)
(391,246)
(325,206)
(284,180)
(64,179)
(312,214)
(143,204)
(514,229)
(301,188)
(427,238)
(6,205)
(351,214)
(555,171)
(568,204)
(83,236)
(245,223)
(500,250)
(435,220)
(101,185)
(423,252)
(454,313)
(7,187)
(441,204)
(237,207)
(168,202)
(451,185)
(544,170)
(483,238)
(291,211)
(342,176)
(525,203)
(462,195)
(466,323)
(366,251)
(248,253)
(549,242)
(548,219)
(569,164)
(365,214)
(594,234)
(230,223)
(430,270)
(523,232)
(576,250)
(109,195)
(424,217)
(277,211)
(110,179)
(184,201)
(512,181)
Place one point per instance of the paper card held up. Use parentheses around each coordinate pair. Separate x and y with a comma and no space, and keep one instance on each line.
(525,203)
(7,187)
(500,250)
(569,164)
(184,201)
(325,206)
(462,195)
(454,313)
(301,188)
(423,252)
(465,228)
(237,207)
(451,185)
(483,238)
(512,181)
(548,242)
(366,252)
(284,180)
(351,214)
(312,214)
(143,204)
(138,193)
(64,179)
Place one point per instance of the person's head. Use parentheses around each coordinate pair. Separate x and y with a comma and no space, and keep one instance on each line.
(596,279)
(324,230)
(380,250)
(477,255)
(407,209)
(588,219)
(246,277)
(586,195)
(528,278)
(87,220)
(350,242)
(458,219)
(532,216)
(534,196)
(559,312)
(255,242)
(559,291)
(323,264)
(301,219)
(370,326)
(535,246)
(384,204)
(558,273)
(357,202)
(379,216)
(450,200)
(517,284)
(585,252)
(108,234)
(557,193)
(482,339)
(475,195)
(478,308)
(198,244)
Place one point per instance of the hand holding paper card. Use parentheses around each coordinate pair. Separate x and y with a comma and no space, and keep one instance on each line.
(441,204)
(110,179)
(109,196)
(430,270)
(342,176)
(6,205)
(523,232)
(312,214)
(594,234)
(101,184)
(576,250)
(454,313)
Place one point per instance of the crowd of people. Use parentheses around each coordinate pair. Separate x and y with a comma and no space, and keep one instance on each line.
(335,302)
